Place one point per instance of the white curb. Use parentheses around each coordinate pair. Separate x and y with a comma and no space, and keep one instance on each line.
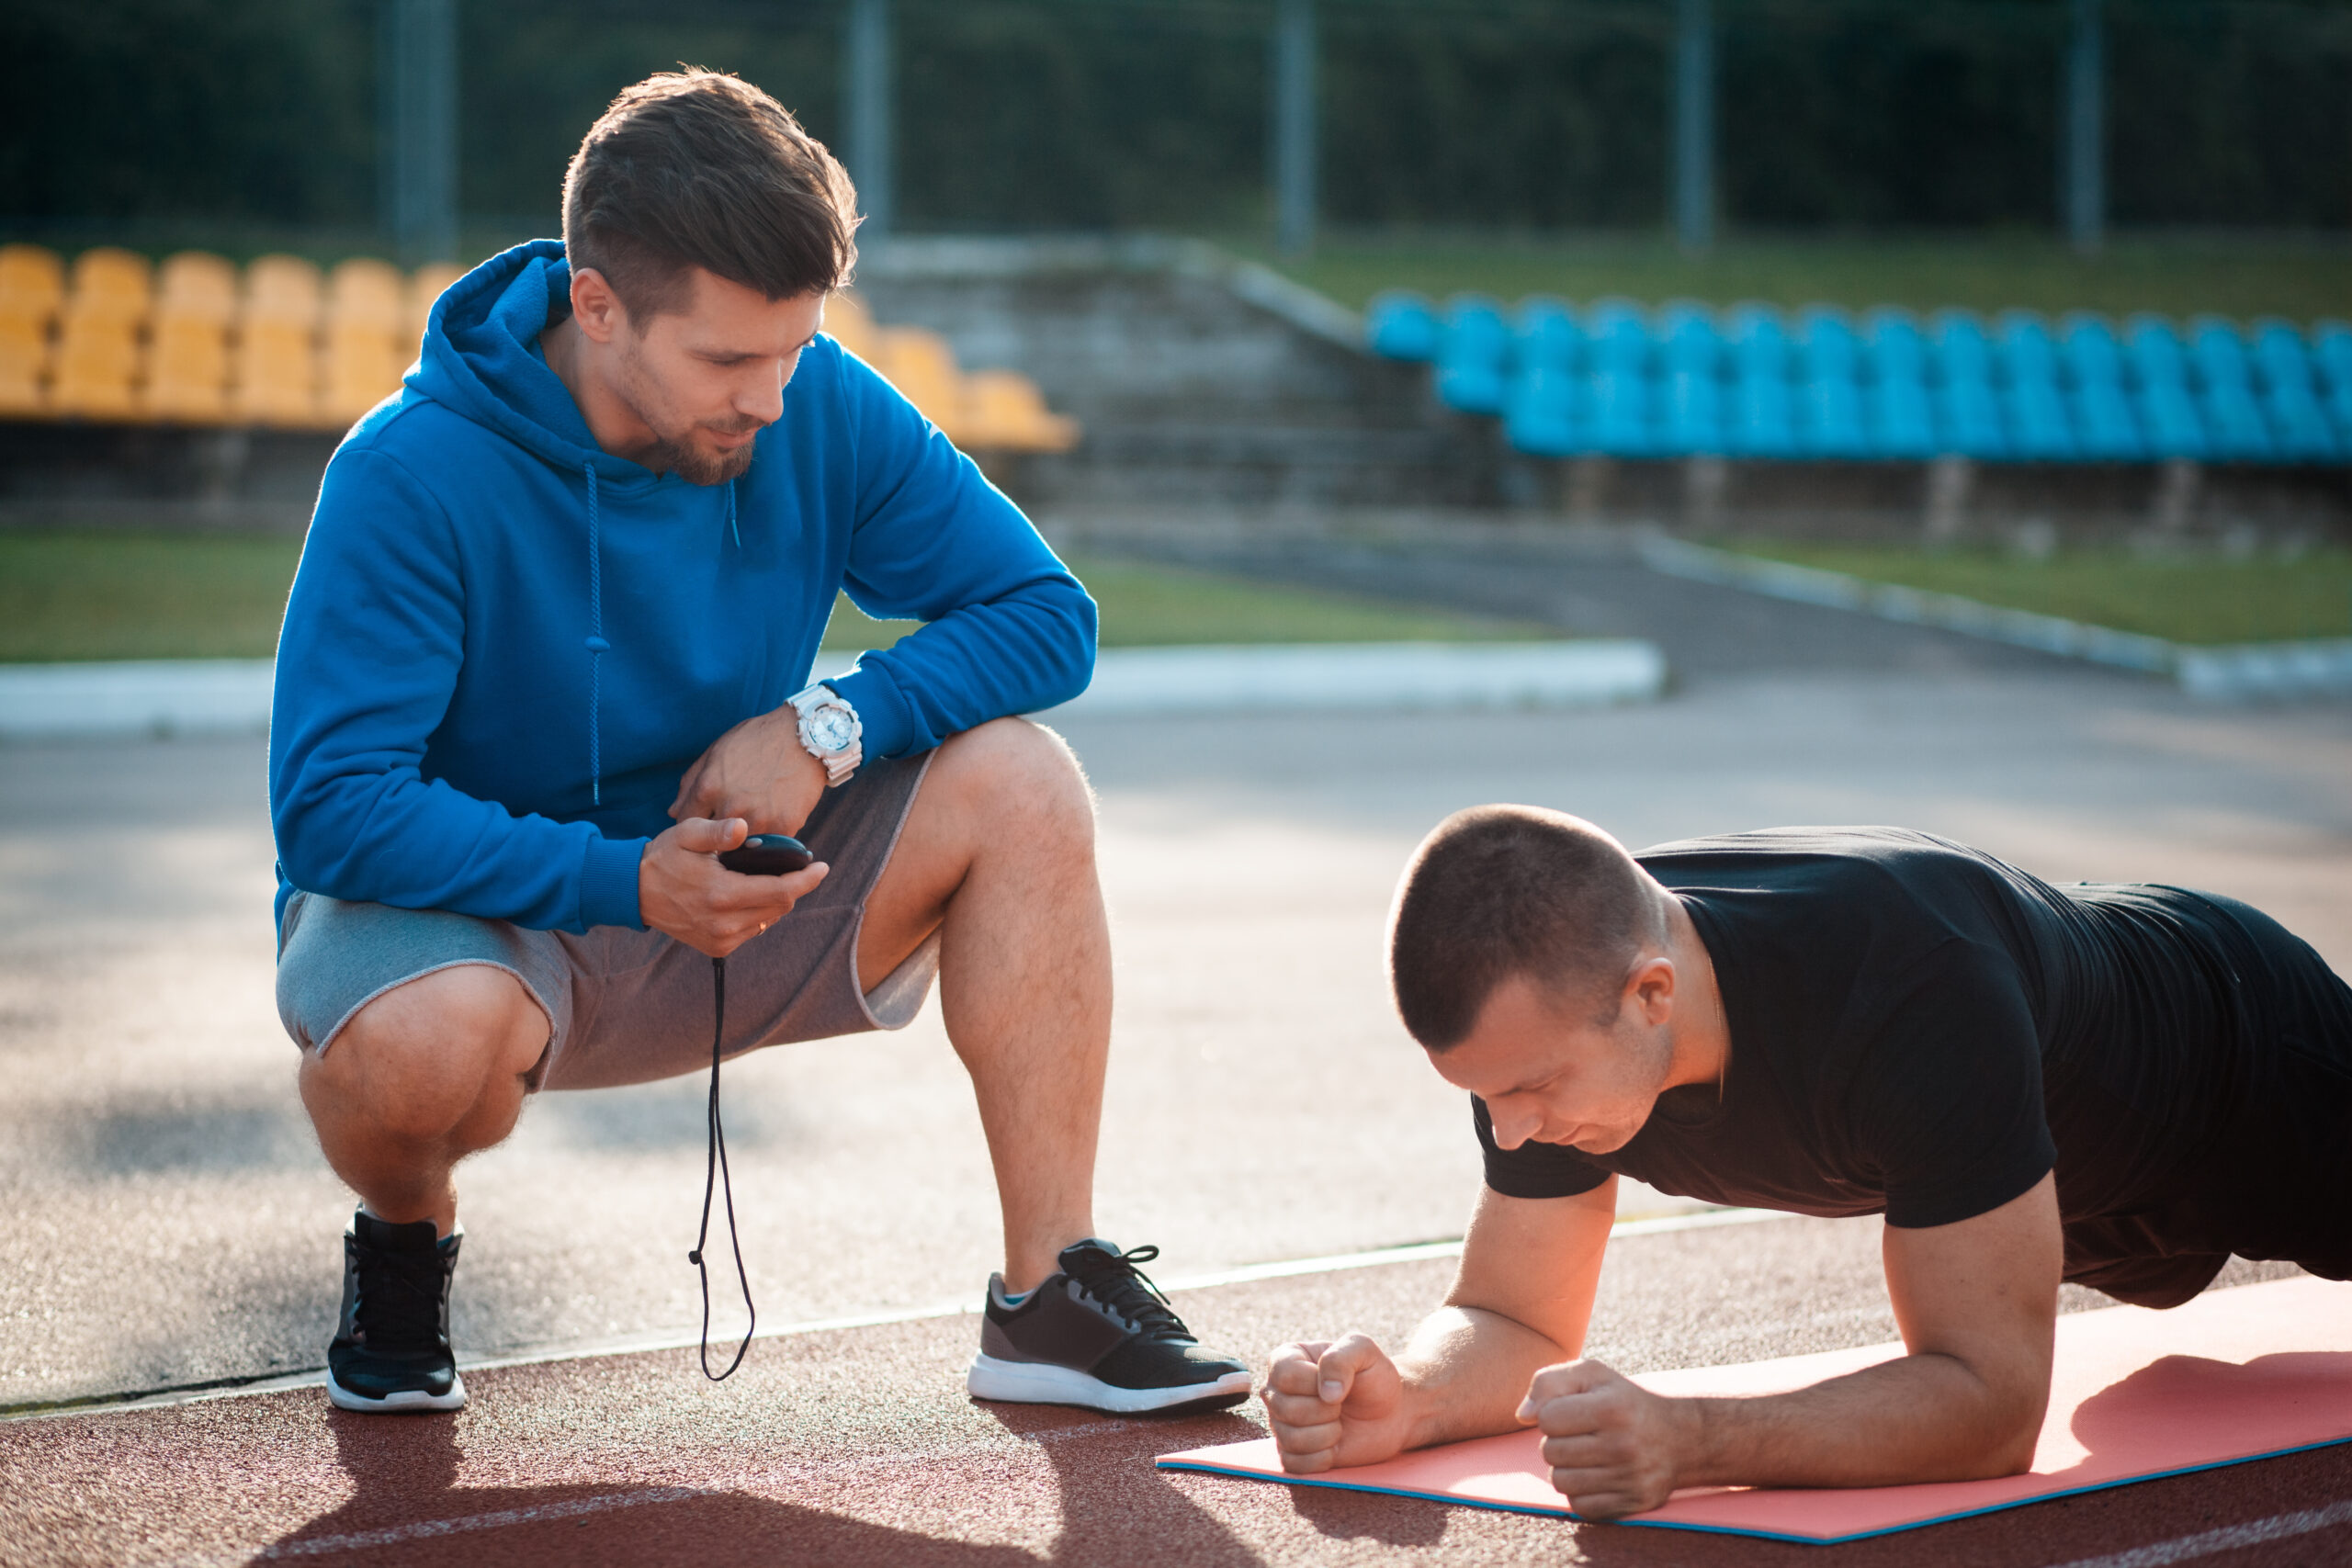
(230,697)
(148,696)
(2232,674)
(1295,677)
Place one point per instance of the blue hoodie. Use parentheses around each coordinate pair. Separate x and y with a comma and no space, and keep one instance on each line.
(505,647)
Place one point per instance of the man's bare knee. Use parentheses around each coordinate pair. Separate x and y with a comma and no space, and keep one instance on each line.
(1012,768)
(416,1060)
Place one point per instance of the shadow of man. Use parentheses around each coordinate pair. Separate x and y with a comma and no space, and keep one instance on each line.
(407,1506)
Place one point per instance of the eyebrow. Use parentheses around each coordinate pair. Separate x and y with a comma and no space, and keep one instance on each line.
(732,356)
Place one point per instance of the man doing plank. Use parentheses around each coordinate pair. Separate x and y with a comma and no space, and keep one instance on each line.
(2116,1085)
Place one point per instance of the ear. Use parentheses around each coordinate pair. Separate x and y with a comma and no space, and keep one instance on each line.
(598,310)
(1649,989)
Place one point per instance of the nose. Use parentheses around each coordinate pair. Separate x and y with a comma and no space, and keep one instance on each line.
(1513,1126)
(764,401)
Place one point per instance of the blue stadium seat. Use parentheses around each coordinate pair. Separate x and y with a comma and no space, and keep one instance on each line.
(2157,369)
(1620,424)
(1547,334)
(2225,380)
(1688,341)
(1968,414)
(1617,335)
(1691,417)
(1900,421)
(1758,341)
(2332,352)
(2027,351)
(1968,419)
(2152,350)
(1892,347)
(1399,324)
(2288,393)
(1829,398)
(1832,421)
(1826,346)
(1962,351)
(1763,418)
(1473,357)
(2091,360)
(2032,405)
(2089,350)
(1540,417)
(2169,415)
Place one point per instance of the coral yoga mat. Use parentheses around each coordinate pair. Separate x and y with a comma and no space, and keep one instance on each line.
(2234,1375)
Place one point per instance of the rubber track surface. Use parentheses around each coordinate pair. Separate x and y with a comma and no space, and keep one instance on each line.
(857,1447)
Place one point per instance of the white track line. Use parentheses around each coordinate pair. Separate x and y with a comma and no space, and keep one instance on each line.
(2229,1538)
(1416,1252)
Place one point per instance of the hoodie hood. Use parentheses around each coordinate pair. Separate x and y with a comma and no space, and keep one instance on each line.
(481,358)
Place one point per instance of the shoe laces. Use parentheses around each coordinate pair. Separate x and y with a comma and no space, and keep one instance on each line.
(1113,1278)
(399,1306)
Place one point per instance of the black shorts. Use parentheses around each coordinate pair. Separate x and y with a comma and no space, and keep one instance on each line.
(2276,1182)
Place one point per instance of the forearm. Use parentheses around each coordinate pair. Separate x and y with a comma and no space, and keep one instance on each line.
(1465,1371)
(1919,1419)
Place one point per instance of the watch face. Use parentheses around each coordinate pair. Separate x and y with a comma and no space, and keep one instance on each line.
(830,729)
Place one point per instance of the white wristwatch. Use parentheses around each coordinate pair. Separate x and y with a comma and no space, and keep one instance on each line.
(830,729)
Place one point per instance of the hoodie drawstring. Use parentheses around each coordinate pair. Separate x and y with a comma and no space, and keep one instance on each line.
(597,646)
(732,528)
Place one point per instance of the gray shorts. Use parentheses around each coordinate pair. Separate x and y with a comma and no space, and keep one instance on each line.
(627,1006)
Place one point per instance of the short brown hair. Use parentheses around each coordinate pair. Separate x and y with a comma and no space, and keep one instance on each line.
(1503,890)
(695,168)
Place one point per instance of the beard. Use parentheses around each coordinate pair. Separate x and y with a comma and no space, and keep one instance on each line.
(694,466)
(674,450)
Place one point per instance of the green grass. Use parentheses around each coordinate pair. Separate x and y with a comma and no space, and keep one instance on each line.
(96,596)
(2180,276)
(2193,598)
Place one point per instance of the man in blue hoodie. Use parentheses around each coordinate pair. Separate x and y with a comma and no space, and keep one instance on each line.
(547,657)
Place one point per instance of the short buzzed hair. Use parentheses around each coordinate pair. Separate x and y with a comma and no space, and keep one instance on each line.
(695,168)
(1500,891)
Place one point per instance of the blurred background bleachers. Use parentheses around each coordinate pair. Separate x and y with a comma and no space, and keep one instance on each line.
(1687,380)
(280,344)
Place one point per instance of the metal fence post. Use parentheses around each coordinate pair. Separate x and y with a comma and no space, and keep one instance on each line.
(1292,124)
(2082,167)
(1694,126)
(416,91)
(866,103)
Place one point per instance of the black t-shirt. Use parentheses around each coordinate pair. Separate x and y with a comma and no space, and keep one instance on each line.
(1919,1029)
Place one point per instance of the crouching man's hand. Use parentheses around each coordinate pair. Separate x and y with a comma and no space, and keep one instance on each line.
(683,891)
(758,771)
(1335,1402)
(1615,1447)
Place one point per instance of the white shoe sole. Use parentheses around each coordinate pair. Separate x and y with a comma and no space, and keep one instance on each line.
(1035,1382)
(343,1398)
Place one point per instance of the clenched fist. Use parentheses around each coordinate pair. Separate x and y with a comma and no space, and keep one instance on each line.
(1615,1447)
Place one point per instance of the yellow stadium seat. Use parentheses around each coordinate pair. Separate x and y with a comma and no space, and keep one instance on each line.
(850,324)
(275,378)
(32,281)
(1003,411)
(921,365)
(24,361)
(107,277)
(197,282)
(98,361)
(188,349)
(366,337)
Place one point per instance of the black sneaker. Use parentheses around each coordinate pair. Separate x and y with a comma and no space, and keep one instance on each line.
(391,1351)
(1101,1335)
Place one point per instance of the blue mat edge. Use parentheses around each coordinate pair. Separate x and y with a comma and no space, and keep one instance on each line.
(1203,1469)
